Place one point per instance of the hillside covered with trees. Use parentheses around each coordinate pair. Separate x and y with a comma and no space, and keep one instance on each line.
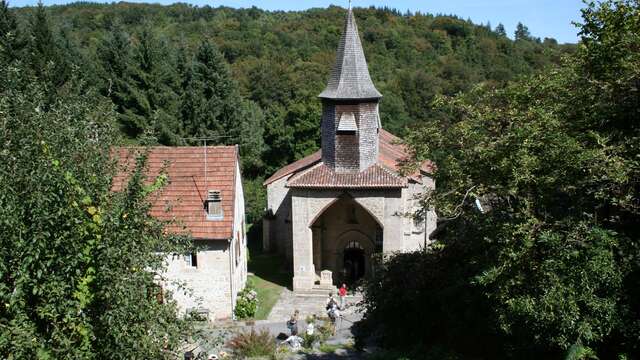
(180,73)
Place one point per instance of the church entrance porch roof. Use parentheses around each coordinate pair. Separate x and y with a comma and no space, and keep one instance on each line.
(321,176)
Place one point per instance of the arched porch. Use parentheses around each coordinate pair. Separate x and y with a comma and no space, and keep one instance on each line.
(345,238)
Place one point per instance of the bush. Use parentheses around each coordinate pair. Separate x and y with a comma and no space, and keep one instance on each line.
(247,303)
(253,344)
(309,340)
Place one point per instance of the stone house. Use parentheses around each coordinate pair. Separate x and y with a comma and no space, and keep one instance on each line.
(335,209)
(203,197)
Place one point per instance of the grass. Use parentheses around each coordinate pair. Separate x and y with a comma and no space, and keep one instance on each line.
(331,348)
(268,280)
(268,294)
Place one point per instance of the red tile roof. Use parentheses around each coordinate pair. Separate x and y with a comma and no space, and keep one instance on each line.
(295,166)
(182,199)
(321,176)
(391,155)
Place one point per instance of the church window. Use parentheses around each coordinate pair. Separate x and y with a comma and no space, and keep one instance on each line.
(379,239)
(354,245)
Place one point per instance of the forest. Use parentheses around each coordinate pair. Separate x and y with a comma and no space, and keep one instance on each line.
(543,136)
(251,77)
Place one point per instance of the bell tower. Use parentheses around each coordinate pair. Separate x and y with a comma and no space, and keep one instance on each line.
(350,118)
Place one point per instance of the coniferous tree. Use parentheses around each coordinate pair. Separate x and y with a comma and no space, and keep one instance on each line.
(214,96)
(522,32)
(118,70)
(500,30)
(44,55)
(10,42)
(155,80)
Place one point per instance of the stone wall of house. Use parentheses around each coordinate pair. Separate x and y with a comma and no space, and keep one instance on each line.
(239,241)
(207,286)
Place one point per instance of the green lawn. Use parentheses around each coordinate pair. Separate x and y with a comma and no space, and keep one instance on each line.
(269,279)
(268,294)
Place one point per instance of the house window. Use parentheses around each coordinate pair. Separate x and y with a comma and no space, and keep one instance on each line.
(213,205)
(191,260)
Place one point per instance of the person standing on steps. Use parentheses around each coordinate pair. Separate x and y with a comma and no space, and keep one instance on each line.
(342,293)
(292,324)
(330,300)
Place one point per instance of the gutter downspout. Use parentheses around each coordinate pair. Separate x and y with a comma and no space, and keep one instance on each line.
(233,316)
(426,236)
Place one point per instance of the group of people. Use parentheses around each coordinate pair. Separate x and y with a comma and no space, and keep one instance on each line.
(332,309)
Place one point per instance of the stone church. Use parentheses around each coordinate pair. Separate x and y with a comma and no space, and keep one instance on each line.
(331,212)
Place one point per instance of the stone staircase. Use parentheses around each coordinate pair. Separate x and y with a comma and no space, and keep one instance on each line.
(319,291)
(309,302)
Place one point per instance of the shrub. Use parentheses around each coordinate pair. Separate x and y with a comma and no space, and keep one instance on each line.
(247,303)
(253,344)
(309,340)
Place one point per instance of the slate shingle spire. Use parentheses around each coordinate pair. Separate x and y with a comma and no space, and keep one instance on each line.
(350,78)
(350,118)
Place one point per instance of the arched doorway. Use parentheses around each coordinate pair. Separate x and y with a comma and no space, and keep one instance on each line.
(345,237)
(354,264)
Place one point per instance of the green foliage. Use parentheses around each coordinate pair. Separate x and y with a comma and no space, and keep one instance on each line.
(253,344)
(551,264)
(280,61)
(77,276)
(309,340)
(246,303)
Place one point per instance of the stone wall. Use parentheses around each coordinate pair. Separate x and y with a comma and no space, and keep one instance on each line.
(279,203)
(208,285)
(417,224)
(239,242)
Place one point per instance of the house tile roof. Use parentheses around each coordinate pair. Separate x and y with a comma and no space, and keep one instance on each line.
(391,156)
(182,199)
(322,177)
(350,77)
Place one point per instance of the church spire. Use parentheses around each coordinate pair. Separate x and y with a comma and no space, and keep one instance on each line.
(350,79)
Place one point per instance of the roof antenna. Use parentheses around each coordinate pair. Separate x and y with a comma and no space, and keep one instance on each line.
(205,165)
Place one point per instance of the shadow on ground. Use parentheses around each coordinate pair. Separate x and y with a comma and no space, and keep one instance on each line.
(270,267)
